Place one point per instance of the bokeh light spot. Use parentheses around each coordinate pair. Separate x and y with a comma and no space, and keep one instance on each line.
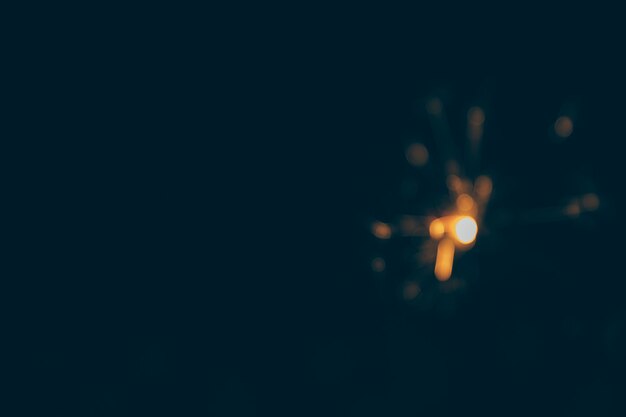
(411,291)
(564,126)
(381,230)
(483,186)
(417,154)
(455,184)
(590,202)
(436,229)
(378,264)
(476,116)
(464,202)
(572,209)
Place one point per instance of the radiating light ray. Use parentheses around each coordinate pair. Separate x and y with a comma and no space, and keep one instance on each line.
(445,259)
(483,187)
(475,122)
(441,132)
(413,226)
(457,186)
(465,203)
(586,203)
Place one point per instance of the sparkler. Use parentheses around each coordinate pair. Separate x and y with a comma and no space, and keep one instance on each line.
(456,228)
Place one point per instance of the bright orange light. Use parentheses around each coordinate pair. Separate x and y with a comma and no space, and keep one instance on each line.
(465,229)
(381,230)
(437,229)
(445,259)
(563,126)
(417,155)
(464,202)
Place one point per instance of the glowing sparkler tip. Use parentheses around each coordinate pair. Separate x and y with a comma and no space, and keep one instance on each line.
(465,229)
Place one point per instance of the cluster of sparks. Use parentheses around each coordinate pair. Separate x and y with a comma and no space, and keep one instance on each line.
(455,229)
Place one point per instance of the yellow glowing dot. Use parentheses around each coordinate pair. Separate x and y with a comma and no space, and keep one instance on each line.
(590,202)
(436,229)
(483,186)
(417,154)
(465,229)
(476,116)
(381,230)
(378,264)
(563,126)
(445,259)
(464,202)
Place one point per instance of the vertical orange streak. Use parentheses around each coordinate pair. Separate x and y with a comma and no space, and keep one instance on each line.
(445,259)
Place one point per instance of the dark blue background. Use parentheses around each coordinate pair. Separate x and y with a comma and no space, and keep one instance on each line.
(193,204)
